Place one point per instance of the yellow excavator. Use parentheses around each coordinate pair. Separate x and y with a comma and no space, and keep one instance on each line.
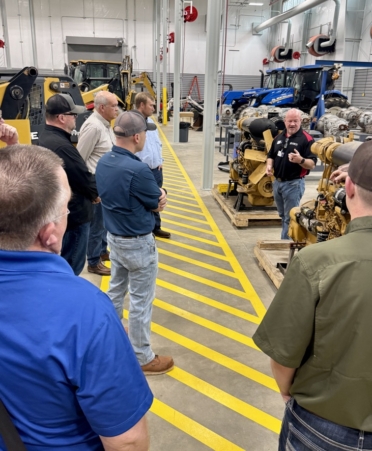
(93,76)
(23,96)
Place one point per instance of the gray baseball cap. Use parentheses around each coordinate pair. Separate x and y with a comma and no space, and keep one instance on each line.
(63,104)
(360,168)
(130,123)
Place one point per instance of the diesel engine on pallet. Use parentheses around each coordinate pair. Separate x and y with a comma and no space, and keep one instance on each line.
(247,170)
(327,216)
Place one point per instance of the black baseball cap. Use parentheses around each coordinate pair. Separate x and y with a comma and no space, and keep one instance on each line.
(62,104)
(130,123)
(360,168)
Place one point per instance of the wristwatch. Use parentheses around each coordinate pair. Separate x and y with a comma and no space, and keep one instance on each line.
(302,161)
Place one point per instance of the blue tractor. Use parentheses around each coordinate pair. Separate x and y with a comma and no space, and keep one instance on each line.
(233,100)
(303,88)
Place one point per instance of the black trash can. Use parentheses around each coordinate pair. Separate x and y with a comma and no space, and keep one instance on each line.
(184,132)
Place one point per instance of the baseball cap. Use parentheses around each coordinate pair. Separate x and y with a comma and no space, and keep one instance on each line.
(130,123)
(63,103)
(360,168)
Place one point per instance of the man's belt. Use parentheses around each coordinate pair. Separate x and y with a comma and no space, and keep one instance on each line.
(288,180)
(131,237)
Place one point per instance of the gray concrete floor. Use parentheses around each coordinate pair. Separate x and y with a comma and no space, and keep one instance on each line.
(210,296)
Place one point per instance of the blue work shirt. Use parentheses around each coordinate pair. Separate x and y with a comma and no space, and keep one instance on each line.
(128,192)
(68,372)
(151,152)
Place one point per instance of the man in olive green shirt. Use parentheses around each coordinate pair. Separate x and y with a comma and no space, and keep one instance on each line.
(318,331)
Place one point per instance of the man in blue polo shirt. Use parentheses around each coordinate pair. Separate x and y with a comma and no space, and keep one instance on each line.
(68,376)
(130,196)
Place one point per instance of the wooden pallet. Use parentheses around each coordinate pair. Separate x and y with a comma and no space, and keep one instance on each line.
(248,217)
(269,254)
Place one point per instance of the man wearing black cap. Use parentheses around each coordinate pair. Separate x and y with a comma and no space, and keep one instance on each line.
(130,196)
(318,332)
(61,113)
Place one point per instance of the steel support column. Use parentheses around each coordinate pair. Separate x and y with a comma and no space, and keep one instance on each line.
(33,33)
(165,60)
(158,29)
(177,71)
(5,32)
(210,91)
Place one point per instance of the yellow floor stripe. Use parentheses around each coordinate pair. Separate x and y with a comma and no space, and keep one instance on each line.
(203,280)
(176,180)
(215,356)
(191,237)
(193,248)
(174,201)
(188,218)
(192,261)
(171,195)
(227,400)
(186,226)
(180,190)
(208,301)
(172,207)
(191,427)
(222,330)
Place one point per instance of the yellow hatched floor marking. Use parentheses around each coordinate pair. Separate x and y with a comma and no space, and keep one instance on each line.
(203,280)
(173,178)
(208,301)
(198,263)
(177,215)
(176,180)
(171,195)
(186,226)
(193,248)
(215,356)
(222,330)
(192,237)
(178,185)
(191,427)
(246,410)
(173,207)
(175,201)
(247,286)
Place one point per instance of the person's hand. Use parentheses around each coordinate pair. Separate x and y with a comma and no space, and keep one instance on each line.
(269,170)
(160,167)
(8,134)
(340,174)
(295,157)
(96,201)
(286,398)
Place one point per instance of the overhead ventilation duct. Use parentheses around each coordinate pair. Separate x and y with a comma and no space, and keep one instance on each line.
(308,4)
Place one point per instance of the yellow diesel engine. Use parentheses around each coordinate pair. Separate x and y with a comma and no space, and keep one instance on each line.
(247,170)
(327,216)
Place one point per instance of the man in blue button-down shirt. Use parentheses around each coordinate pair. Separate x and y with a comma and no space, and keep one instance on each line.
(130,196)
(151,152)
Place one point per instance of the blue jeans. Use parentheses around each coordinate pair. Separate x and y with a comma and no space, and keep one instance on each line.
(158,174)
(74,247)
(97,241)
(304,431)
(134,262)
(287,195)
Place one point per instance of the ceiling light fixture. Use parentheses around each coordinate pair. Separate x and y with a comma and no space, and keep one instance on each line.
(255,4)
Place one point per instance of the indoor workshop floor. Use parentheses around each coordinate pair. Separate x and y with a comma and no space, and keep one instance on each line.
(210,297)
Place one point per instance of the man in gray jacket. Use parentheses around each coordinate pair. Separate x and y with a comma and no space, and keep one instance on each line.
(95,139)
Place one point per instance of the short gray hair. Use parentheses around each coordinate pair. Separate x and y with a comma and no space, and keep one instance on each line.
(31,194)
(101,98)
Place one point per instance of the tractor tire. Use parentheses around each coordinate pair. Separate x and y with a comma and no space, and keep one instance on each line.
(340,102)
(239,111)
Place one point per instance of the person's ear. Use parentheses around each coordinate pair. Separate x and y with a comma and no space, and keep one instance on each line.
(47,235)
(349,187)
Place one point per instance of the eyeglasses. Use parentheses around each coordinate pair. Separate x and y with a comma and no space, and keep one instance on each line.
(61,216)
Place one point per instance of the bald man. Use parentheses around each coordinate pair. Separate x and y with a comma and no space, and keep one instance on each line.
(95,139)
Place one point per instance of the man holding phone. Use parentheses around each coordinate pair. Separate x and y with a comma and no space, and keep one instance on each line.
(290,159)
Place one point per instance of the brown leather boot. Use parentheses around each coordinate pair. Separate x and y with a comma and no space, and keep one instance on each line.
(100,269)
